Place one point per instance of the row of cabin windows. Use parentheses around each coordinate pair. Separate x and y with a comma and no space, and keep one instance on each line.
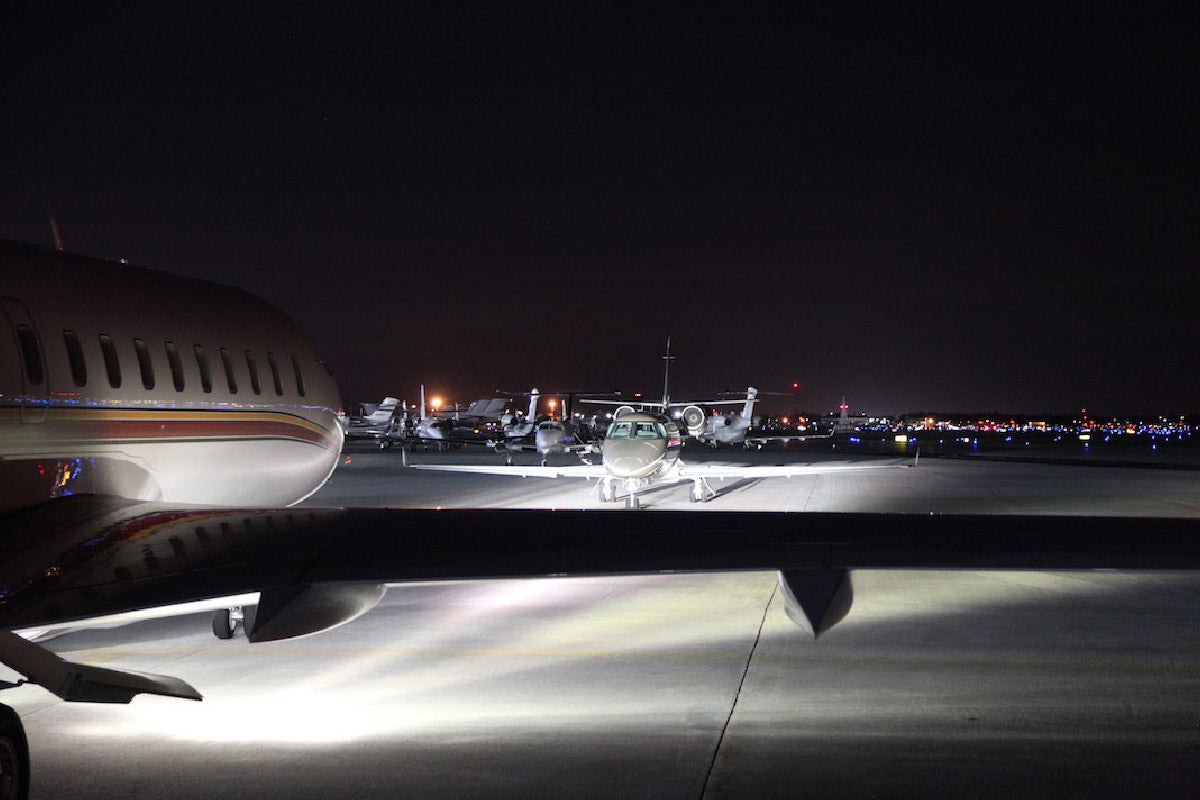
(35,373)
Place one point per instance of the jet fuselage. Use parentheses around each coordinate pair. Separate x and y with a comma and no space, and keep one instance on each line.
(130,382)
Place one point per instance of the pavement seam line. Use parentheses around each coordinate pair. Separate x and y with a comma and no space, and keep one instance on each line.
(712,764)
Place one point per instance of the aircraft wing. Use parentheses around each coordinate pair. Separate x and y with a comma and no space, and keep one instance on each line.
(76,558)
(687,471)
(786,437)
(571,471)
(79,557)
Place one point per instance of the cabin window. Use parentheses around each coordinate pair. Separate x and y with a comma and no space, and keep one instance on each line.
(31,354)
(144,366)
(275,374)
(112,364)
(299,376)
(230,378)
(176,366)
(645,430)
(75,358)
(252,368)
(205,373)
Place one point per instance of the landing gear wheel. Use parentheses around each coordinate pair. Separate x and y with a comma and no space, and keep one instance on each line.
(632,502)
(607,493)
(14,757)
(223,623)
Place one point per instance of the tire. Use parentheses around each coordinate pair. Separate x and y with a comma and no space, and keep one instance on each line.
(222,624)
(14,757)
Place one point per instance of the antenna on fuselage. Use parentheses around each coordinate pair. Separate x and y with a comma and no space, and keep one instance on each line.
(57,234)
(667,359)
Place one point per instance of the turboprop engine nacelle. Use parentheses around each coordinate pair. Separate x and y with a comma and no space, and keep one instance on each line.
(693,420)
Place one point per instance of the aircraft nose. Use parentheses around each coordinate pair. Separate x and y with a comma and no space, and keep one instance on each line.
(632,459)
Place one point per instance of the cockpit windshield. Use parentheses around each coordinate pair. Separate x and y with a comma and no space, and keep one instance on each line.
(636,430)
(620,430)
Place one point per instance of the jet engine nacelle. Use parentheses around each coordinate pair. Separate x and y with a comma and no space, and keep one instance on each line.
(623,410)
(693,419)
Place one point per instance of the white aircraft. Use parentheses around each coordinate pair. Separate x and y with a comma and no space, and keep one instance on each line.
(376,421)
(538,434)
(641,450)
(722,429)
(690,413)
(154,431)
(423,429)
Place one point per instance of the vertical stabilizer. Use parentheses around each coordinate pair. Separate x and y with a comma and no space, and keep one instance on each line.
(751,399)
(667,359)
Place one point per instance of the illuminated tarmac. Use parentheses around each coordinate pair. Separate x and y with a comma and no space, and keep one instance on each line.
(950,684)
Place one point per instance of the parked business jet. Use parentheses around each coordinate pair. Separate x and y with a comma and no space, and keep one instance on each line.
(537,433)
(689,413)
(732,429)
(155,429)
(375,423)
(641,450)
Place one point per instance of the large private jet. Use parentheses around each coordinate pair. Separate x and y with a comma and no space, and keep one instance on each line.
(155,430)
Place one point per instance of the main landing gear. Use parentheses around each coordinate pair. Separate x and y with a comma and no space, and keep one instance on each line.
(226,621)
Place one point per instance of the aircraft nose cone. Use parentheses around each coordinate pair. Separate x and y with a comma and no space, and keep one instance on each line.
(633,459)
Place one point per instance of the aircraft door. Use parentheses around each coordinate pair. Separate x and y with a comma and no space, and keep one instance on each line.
(23,360)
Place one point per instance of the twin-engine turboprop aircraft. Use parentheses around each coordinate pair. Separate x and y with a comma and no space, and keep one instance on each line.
(641,450)
(154,429)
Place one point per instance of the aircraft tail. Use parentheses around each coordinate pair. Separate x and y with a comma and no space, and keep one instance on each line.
(751,399)
(533,403)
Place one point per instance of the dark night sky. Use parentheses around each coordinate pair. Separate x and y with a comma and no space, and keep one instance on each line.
(918,209)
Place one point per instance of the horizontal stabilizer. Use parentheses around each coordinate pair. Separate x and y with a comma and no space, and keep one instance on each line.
(81,683)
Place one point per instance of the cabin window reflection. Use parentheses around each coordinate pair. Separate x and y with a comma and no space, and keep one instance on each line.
(275,376)
(252,368)
(31,354)
(205,372)
(145,367)
(75,358)
(299,376)
(176,366)
(112,364)
(230,378)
